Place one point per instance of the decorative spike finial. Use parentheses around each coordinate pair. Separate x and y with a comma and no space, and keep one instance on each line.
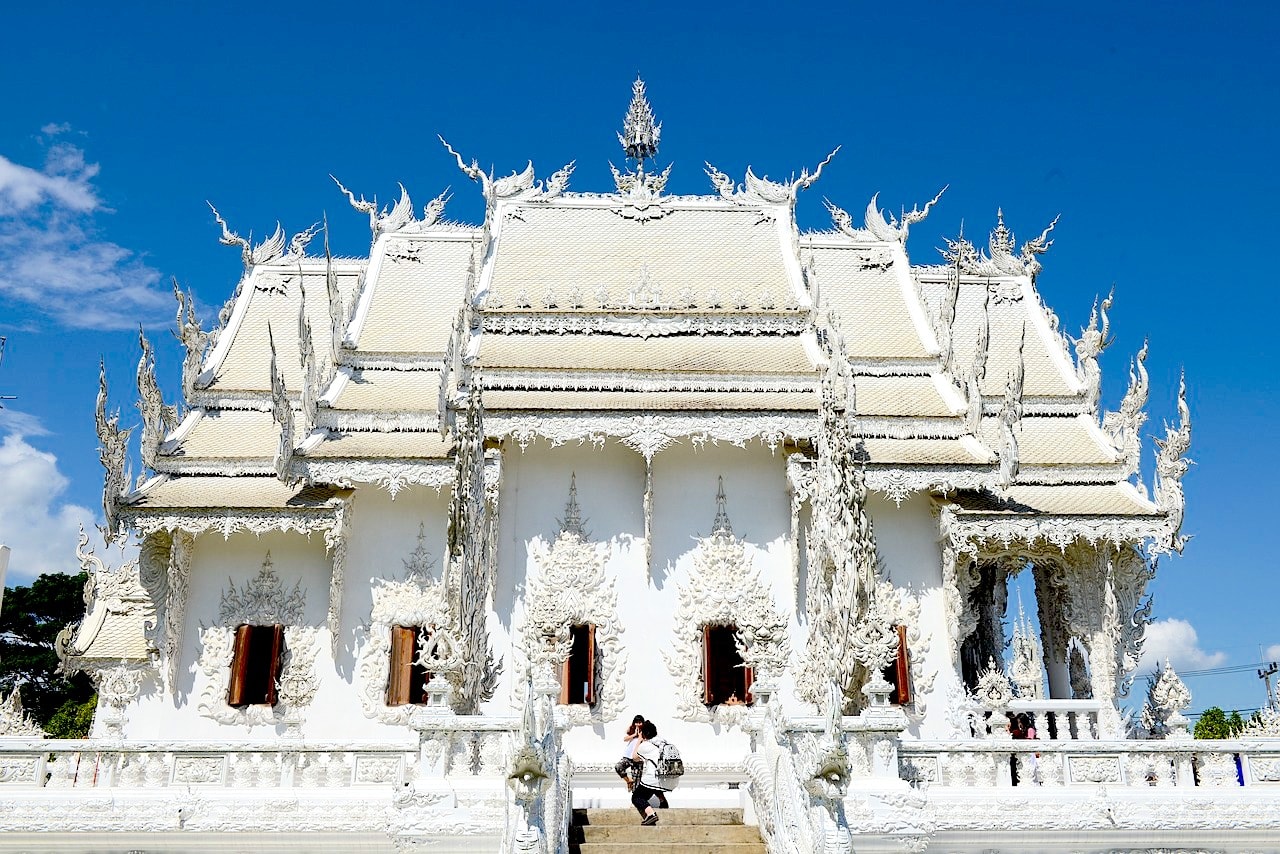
(640,134)
(572,521)
(721,526)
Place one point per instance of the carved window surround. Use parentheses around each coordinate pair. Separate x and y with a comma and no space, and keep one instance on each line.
(418,599)
(262,600)
(723,589)
(571,588)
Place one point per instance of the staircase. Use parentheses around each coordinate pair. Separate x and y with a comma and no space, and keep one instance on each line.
(678,831)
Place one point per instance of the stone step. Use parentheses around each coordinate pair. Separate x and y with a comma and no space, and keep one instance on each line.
(628,816)
(670,833)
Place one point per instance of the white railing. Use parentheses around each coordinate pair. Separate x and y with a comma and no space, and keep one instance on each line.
(1062,720)
(782,806)
(1169,763)
(91,763)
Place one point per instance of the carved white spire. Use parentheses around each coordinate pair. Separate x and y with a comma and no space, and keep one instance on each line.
(640,134)
(282,412)
(113,451)
(1010,415)
(194,340)
(1171,466)
(1026,670)
(1089,346)
(1166,698)
(157,418)
(572,521)
(721,526)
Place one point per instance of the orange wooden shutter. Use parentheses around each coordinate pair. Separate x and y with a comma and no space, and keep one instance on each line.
(748,677)
(400,674)
(903,669)
(707,696)
(277,654)
(564,680)
(239,666)
(590,697)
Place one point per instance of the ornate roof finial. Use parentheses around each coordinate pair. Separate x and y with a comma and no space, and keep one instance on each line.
(640,134)
(572,521)
(721,526)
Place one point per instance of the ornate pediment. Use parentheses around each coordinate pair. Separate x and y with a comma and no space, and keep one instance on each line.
(571,588)
(263,600)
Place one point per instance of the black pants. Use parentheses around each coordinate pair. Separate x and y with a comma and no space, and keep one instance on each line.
(641,794)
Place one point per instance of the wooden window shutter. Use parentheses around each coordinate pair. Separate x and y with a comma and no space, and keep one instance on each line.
(903,668)
(564,680)
(277,654)
(748,677)
(590,692)
(707,689)
(239,666)
(400,674)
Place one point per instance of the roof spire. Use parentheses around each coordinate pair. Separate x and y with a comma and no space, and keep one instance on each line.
(639,137)
(721,526)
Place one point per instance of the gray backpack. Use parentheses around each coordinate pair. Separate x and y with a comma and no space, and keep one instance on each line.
(669,763)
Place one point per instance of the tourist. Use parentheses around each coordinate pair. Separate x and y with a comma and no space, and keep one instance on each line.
(628,766)
(650,785)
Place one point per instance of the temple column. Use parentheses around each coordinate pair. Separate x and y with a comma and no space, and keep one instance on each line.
(1052,605)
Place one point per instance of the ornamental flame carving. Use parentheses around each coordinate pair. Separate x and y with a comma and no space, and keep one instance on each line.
(570,589)
(842,555)
(157,418)
(1089,346)
(1171,467)
(1166,698)
(113,452)
(14,722)
(896,230)
(723,589)
(263,600)
(419,599)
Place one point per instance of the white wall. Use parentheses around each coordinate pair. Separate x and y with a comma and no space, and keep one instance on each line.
(534,491)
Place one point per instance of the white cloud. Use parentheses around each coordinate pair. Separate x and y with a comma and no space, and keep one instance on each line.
(51,258)
(1176,641)
(1273,652)
(39,527)
(55,128)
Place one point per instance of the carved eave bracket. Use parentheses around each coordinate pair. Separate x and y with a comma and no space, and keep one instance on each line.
(1125,426)
(282,413)
(195,341)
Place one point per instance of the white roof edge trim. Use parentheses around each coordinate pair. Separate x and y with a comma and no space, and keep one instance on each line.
(484,276)
(914,302)
(376,253)
(1095,430)
(148,485)
(1138,495)
(183,430)
(215,359)
(979,450)
(950,395)
(313,439)
(1040,321)
(784,222)
(340,380)
(809,340)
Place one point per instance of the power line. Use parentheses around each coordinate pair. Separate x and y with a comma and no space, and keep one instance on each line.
(1234,668)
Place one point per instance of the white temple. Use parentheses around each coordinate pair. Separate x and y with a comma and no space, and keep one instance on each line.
(429,526)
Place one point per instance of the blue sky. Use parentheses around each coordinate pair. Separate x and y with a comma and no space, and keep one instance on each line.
(1151,129)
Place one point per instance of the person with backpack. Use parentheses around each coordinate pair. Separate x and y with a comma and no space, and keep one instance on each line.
(653,783)
(628,767)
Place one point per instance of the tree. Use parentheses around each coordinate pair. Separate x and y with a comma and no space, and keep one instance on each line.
(1215,723)
(30,621)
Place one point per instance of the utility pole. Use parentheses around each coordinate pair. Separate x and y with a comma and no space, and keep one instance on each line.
(1265,674)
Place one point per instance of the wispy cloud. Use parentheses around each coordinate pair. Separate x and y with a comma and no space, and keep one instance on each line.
(35,522)
(52,260)
(1176,641)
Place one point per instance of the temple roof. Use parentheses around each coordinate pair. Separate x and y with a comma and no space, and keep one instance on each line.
(630,304)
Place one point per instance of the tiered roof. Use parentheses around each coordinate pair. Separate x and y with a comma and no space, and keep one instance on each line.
(585,315)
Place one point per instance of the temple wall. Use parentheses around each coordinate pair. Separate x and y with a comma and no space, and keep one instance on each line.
(535,484)
(908,541)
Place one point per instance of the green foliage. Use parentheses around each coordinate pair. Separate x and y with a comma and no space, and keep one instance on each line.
(30,621)
(73,719)
(1215,723)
